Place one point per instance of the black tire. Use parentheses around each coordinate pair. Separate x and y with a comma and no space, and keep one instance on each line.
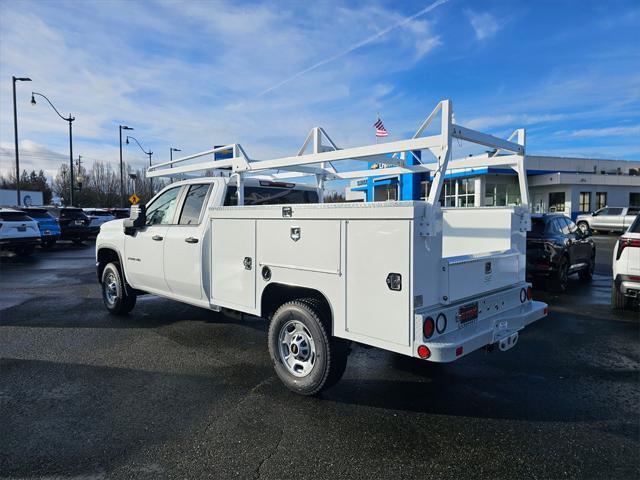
(584,226)
(561,280)
(25,251)
(117,298)
(586,275)
(48,244)
(78,241)
(618,301)
(327,356)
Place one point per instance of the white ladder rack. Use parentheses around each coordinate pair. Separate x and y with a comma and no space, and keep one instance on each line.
(316,157)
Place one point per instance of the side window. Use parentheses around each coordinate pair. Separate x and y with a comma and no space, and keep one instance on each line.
(604,211)
(615,211)
(572,226)
(161,211)
(193,203)
(270,196)
(557,226)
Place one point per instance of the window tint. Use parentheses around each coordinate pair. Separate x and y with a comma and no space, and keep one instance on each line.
(635,226)
(615,211)
(537,226)
(14,217)
(557,225)
(39,213)
(270,196)
(193,204)
(572,226)
(633,211)
(161,211)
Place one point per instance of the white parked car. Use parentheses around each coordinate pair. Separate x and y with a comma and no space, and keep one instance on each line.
(626,267)
(19,233)
(98,216)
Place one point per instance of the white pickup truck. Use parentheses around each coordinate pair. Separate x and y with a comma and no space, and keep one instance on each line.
(408,277)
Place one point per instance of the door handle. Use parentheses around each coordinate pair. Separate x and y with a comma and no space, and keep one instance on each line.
(191,240)
(157,238)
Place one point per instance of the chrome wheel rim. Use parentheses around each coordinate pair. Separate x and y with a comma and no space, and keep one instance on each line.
(296,348)
(110,288)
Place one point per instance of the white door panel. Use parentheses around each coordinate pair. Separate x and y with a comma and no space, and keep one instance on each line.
(183,261)
(233,246)
(376,248)
(143,253)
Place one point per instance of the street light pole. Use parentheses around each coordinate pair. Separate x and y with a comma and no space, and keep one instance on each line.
(15,132)
(147,153)
(69,119)
(120,128)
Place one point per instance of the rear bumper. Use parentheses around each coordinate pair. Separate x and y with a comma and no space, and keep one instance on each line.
(628,285)
(7,243)
(498,328)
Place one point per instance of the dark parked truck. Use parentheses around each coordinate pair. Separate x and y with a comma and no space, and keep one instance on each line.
(608,219)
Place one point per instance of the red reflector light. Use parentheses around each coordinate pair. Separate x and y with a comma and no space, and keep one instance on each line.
(428,327)
(458,351)
(423,351)
(529,293)
(546,311)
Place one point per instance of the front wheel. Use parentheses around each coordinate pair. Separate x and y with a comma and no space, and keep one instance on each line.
(583,226)
(305,358)
(114,291)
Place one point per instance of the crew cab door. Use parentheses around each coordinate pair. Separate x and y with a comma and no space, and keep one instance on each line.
(144,251)
(185,243)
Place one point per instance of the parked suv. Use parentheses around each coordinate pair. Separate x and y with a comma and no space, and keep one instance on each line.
(626,267)
(48,225)
(608,219)
(74,223)
(557,248)
(19,233)
(98,216)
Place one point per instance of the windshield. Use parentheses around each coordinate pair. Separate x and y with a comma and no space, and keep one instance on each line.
(537,227)
(14,217)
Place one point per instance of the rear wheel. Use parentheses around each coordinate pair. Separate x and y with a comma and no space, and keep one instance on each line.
(618,301)
(584,226)
(25,251)
(114,291)
(305,358)
(48,243)
(561,280)
(586,275)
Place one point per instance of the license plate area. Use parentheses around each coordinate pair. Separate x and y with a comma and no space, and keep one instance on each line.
(467,314)
(79,222)
(22,228)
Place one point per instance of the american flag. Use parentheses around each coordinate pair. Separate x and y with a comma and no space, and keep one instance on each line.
(380,130)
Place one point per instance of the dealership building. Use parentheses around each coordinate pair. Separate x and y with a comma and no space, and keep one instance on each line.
(556,184)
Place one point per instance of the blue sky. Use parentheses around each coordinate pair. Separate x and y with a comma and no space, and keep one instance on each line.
(195,74)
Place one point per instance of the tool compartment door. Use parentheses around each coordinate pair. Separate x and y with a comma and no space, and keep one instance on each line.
(376,248)
(233,263)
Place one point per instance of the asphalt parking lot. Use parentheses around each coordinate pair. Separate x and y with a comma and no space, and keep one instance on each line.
(177,391)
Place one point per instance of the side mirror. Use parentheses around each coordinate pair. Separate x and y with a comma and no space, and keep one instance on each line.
(136,220)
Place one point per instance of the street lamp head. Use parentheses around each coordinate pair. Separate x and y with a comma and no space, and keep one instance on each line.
(22,79)
(176,149)
(33,99)
(124,127)
(127,141)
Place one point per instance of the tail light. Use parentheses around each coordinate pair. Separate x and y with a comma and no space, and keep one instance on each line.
(424,352)
(428,327)
(529,293)
(625,242)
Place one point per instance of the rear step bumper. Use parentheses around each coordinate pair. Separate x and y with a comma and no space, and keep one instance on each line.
(501,329)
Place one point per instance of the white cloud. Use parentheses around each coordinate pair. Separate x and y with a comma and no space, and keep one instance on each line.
(621,131)
(484,24)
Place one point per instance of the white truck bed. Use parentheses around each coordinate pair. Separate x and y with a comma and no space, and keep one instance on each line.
(347,251)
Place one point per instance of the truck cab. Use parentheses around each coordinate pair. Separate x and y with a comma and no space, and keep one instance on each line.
(166,255)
